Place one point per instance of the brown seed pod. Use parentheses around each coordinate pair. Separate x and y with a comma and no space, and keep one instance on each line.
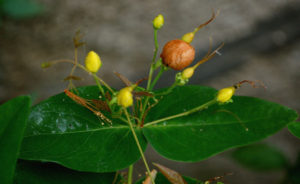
(177,54)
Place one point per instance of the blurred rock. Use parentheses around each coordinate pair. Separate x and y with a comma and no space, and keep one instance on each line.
(120,31)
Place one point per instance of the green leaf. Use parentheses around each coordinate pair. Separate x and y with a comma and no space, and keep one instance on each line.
(260,157)
(294,128)
(161,179)
(13,118)
(49,173)
(61,131)
(21,8)
(214,130)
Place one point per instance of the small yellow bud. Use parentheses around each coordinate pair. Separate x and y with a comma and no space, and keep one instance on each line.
(158,21)
(188,73)
(93,62)
(225,94)
(188,37)
(124,97)
(46,65)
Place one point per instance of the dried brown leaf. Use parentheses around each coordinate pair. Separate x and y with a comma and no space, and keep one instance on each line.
(123,78)
(72,77)
(101,105)
(173,176)
(143,93)
(148,179)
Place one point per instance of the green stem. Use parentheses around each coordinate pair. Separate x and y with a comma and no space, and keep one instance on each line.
(98,84)
(199,108)
(116,177)
(83,68)
(143,110)
(153,59)
(155,40)
(138,145)
(94,75)
(150,75)
(122,119)
(101,90)
(161,71)
(98,78)
(168,91)
(130,169)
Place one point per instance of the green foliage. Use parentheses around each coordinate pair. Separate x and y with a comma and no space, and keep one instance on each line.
(260,157)
(208,132)
(294,128)
(19,9)
(61,131)
(49,173)
(13,118)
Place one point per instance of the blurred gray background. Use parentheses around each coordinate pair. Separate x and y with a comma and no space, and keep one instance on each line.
(261,43)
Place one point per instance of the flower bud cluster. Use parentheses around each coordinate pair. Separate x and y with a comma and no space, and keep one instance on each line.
(188,37)
(158,21)
(93,62)
(125,98)
(224,95)
(179,80)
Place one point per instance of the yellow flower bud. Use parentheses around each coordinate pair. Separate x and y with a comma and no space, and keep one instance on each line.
(46,65)
(158,21)
(93,62)
(188,37)
(225,94)
(124,97)
(188,73)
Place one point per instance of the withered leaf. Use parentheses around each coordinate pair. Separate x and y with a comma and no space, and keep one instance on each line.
(123,78)
(72,77)
(173,176)
(101,105)
(148,179)
(143,93)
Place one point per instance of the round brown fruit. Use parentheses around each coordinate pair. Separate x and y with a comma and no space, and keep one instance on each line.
(177,54)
